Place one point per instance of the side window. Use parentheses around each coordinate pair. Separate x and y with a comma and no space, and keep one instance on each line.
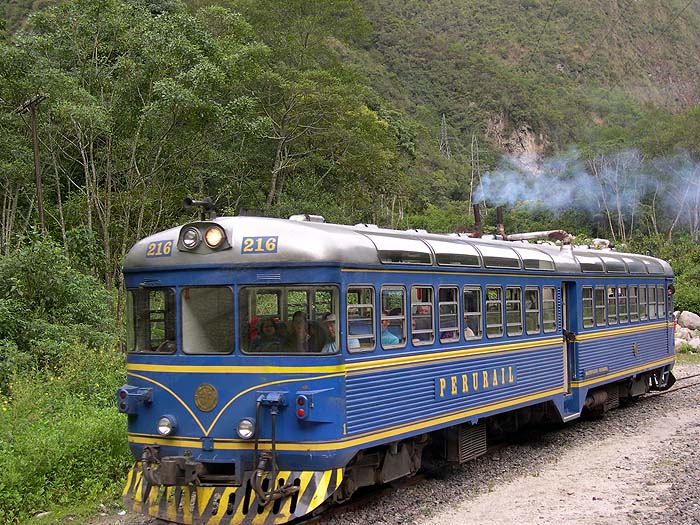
(612,305)
(643,303)
(393,320)
(549,309)
(652,302)
(622,304)
(494,311)
(661,295)
(600,306)
(360,312)
(634,304)
(448,308)
(207,320)
(587,306)
(422,329)
(151,320)
(472,312)
(532,310)
(288,320)
(514,310)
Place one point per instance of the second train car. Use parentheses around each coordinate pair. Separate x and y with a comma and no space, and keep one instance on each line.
(275,366)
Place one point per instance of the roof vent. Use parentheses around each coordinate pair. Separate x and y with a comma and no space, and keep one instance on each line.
(367,226)
(305,217)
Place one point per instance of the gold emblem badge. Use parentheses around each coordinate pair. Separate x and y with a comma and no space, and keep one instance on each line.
(205,397)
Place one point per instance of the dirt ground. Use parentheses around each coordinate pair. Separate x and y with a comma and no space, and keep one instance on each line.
(650,470)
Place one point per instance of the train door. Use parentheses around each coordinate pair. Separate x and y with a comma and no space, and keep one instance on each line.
(568,324)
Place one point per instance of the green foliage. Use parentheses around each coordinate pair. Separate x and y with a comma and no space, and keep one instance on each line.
(62,442)
(46,307)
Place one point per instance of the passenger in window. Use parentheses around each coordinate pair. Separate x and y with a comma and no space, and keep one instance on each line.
(387,338)
(422,321)
(298,336)
(331,345)
(267,339)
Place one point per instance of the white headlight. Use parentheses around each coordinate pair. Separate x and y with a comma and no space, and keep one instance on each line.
(191,238)
(246,428)
(214,236)
(166,425)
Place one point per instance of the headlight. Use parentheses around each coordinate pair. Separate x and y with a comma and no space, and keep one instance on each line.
(214,237)
(191,238)
(167,425)
(246,428)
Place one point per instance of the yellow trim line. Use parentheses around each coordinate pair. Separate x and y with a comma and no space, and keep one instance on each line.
(353,441)
(625,372)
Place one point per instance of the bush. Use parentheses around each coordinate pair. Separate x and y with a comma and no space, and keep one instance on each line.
(62,441)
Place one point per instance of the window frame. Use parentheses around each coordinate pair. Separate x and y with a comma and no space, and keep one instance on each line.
(415,317)
(372,321)
(553,301)
(517,303)
(536,311)
(499,302)
(600,303)
(587,321)
(455,329)
(468,314)
(401,318)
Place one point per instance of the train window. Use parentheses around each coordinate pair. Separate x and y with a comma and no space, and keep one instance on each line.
(494,311)
(653,267)
(514,310)
(448,306)
(635,265)
(393,320)
(634,304)
(455,253)
(590,263)
(360,310)
(151,320)
(587,306)
(532,310)
(499,257)
(207,320)
(535,259)
(401,250)
(600,306)
(652,302)
(643,304)
(472,312)
(614,265)
(287,320)
(661,295)
(622,304)
(422,329)
(549,309)
(612,305)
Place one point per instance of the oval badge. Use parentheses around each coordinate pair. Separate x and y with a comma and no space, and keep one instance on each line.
(205,397)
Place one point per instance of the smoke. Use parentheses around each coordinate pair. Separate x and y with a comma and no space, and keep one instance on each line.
(617,185)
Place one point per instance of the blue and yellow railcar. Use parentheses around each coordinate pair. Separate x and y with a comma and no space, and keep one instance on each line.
(275,366)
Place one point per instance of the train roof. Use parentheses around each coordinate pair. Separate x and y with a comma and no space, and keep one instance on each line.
(303,241)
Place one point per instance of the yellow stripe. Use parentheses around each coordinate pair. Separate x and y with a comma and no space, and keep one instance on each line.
(352,441)
(223,409)
(321,490)
(401,362)
(622,330)
(622,373)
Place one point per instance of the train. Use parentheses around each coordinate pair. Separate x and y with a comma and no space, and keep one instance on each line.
(276,366)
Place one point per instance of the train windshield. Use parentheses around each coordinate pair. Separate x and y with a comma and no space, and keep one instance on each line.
(151,320)
(288,319)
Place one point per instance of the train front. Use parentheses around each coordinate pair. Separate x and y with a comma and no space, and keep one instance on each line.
(234,390)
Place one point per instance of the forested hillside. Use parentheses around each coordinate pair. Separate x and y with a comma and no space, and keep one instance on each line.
(575,115)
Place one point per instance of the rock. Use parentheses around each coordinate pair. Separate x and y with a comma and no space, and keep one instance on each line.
(695,343)
(677,343)
(689,320)
(683,333)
